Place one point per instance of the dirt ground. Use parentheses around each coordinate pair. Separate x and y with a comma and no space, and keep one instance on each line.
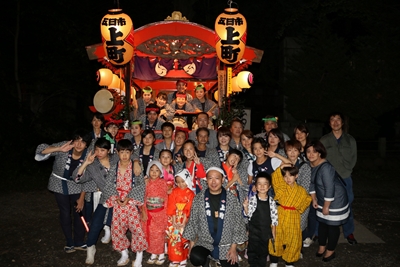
(30,234)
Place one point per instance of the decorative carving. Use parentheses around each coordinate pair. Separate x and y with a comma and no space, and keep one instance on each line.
(176,15)
(179,47)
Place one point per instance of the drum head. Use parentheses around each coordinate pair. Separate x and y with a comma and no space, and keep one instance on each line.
(103,101)
(179,122)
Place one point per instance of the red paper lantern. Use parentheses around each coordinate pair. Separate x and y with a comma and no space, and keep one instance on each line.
(230,30)
(117,34)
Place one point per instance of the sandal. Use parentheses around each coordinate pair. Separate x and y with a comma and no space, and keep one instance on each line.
(183,263)
(173,264)
(160,261)
(152,260)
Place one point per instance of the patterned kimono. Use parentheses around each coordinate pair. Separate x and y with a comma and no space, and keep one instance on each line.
(142,106)
(126,217)
(208,104)
(198,172)
(156,201)
(292,202)
(179,204)
(232,229)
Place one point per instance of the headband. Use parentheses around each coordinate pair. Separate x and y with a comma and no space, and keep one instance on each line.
(137,122)
(111,121)
(274,119)
(147,90)
(216,169)
(181,81)
(153,107)
(180,95)
(185,130)
(199,87)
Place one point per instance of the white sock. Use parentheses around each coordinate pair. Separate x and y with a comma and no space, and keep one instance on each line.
(139,258)
(107,234)
(161,256)
(153,256)
(166,248)
(183,262)
(124,256)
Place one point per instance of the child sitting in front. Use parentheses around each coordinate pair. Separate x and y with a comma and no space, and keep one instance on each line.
(154,212)
(125,207)
(293,200)
(178,211)
(262,212)
(167,168)
(180,105)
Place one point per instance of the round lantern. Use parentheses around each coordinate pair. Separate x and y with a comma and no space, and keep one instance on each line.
(104,77)
(216,95)
(117,34)
(230,30)
(244,79)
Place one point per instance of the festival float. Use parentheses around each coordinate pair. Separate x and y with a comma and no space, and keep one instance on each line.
(160,53)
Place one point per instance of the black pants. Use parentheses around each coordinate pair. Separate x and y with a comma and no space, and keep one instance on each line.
(66,206)
(257,252)
(328,233)
(199,256)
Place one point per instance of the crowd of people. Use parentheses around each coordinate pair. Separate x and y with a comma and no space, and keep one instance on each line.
(205,195)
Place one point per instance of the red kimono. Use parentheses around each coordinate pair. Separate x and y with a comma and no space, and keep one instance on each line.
(156,200)
(179,204)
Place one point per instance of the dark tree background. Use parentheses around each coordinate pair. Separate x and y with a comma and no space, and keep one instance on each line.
(347,60)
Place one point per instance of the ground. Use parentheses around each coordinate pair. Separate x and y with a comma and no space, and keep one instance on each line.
(30,234)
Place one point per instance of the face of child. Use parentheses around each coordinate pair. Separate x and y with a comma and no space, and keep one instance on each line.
(232,159)
(136,129)
(273,140)
(202,137)
(269,125)
(161,102)
(224,140)
(290,179)
(189,151)
(167,132)
(101,153)
(258,150)
(96,123)
(165,159)
(154,172)
(148,140)
(200,93)
(146,97)
(262,185)
(180,182)
(180,101)
(112,129)
(180,138)
(292,154)
(246,142)
(124,155)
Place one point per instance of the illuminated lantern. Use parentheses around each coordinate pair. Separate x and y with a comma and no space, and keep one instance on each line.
(216,95)
(115,83)
(117,34)
(104,77)
(235,86)
(230,29)
(244,79)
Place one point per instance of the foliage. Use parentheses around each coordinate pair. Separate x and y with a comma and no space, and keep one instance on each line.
(231,108)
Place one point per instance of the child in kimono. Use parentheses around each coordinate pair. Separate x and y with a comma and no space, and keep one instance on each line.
(180,105)
(135,134)
(233,158)
(167,129)
(178,211)
(167,168)
(112,128)
(145,100)
(293,200)
(262,212)
(125,212)
(154,212)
